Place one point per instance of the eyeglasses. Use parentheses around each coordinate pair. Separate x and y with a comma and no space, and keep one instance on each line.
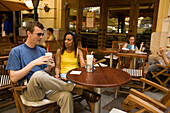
(40,34)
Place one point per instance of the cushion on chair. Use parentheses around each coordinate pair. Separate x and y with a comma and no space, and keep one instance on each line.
(133,72)
(4,80)
(36,103)
(114,110)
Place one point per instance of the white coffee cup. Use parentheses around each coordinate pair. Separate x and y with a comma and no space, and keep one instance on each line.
(48,54)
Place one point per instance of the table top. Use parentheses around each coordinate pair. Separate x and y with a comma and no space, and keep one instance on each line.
(109,50)
(102,77)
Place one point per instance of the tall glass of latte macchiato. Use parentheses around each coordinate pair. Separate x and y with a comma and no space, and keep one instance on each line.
(48,54)
(89,66)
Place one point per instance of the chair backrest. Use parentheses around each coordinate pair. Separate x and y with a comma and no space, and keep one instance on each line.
(5,48)
(132,63)
(118,44)
(4,78)
(20,39)
(4,39)
(53,45)
(5,83)
(165,100)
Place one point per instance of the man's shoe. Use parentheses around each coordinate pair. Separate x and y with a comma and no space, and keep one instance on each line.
(91,96)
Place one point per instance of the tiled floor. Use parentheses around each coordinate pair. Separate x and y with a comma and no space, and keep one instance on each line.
(107,102)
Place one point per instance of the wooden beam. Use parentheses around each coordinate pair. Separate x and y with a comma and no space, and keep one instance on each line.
(155,15)
(134,14)
(79,21)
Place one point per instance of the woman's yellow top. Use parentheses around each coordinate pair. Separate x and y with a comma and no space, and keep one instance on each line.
(68,61)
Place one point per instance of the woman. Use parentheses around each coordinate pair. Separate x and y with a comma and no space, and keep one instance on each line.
(131,45)
(67,57)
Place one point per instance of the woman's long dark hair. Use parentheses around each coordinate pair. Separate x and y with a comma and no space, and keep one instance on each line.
(74,40)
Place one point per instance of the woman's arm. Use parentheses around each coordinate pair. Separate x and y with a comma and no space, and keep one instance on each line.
(58,61)
(82,62)
(125,45)
(141,45)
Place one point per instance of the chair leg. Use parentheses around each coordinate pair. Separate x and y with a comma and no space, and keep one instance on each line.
(116,92)
(91,106)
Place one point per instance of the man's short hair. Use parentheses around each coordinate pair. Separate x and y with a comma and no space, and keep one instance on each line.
(51,30)
(32,24)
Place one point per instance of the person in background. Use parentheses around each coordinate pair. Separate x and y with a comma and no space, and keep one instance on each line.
(2,27)
(7,26)
(164,60)
(131,45)
(50,36)
(165,56)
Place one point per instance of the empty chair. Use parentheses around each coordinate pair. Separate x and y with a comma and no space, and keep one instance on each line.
(118,44)
(140,101)
(134,65)
(5,94)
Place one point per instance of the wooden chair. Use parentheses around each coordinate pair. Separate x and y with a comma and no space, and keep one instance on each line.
(118,44)
(5,39)
(163,73)
(134,65)
(5,94)
(138,100)
(25,106)
(5,48)
(20,39)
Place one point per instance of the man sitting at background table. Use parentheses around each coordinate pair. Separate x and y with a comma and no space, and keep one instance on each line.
(27,61)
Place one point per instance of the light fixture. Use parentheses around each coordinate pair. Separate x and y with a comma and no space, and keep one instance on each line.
(46,8)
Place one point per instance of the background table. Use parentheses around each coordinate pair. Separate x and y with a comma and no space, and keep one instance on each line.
(111,51)
(102,77)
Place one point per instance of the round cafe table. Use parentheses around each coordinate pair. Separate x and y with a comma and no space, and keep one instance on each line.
(102,77)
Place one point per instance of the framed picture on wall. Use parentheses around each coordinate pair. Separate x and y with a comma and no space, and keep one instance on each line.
(90,19)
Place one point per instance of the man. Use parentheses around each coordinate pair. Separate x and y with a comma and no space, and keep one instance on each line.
(50,35)
(165,58)
(27,61)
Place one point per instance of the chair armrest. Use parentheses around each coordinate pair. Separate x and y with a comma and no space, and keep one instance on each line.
(148,99)
(144,103)
(146,69)
(153,84)
(162,66)
(18,88)
(102,60)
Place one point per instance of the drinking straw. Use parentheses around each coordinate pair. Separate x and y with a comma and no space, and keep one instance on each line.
(87,51)
(48,48)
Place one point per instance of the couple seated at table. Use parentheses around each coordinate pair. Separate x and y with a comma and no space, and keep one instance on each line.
(131,46)
(28,61)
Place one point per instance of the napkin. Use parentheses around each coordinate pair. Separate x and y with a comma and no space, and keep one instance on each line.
(75,72)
